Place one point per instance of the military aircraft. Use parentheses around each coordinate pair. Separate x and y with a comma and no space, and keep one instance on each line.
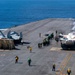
(15,36)
(2,35)
(67,41)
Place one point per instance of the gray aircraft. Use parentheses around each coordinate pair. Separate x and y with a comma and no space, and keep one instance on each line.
(68,41)
(15,36)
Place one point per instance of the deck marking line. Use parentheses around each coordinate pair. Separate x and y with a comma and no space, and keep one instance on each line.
(55,49)
(64,64)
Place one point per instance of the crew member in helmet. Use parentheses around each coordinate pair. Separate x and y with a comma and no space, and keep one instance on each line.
(16,59)
(53,67)
(29,61)
(69,71)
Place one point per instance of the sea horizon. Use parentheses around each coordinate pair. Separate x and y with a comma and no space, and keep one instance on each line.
(20,12)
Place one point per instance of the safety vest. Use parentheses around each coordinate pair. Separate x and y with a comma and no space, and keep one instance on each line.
(30,48)
(17,58)
(68,71)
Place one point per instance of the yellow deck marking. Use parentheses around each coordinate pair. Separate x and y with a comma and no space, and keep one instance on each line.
(55,49)
(64,64)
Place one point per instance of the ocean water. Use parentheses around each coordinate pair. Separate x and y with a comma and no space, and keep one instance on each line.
(18,12)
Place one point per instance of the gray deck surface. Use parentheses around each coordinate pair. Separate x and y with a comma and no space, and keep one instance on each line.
(42,59)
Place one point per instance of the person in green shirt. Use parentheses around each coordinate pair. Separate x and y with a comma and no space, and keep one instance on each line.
(29,61)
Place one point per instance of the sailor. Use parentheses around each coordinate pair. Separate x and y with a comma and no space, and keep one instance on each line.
(56,32)
(39,34)
(69,71)
(57,38)
(53,67)
(52,36)
(44,42)
(29,61)
(16,59)
(39,45)
(30,48)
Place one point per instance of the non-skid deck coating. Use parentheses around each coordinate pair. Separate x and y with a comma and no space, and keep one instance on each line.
(42,59)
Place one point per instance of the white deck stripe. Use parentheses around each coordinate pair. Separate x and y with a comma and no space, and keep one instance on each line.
(55,49)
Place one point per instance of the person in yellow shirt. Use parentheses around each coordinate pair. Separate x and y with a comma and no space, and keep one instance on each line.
(69,71)
(30,49)
(16,59)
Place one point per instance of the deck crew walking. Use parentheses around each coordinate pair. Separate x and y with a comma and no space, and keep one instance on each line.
(16,59)
(29,61)
(30,48)
(69,71)
(53,67)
